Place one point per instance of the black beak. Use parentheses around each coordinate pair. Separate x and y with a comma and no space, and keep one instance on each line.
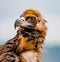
(16,24)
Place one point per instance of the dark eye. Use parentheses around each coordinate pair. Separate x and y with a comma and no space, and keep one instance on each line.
(27,18)
(30,18)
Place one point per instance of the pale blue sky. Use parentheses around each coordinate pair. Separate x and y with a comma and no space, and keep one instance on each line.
(10,10)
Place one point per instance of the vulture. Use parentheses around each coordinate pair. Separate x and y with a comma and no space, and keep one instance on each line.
(26,46)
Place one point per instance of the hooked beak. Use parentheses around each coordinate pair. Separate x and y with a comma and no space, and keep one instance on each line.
(21,23)
(16,24)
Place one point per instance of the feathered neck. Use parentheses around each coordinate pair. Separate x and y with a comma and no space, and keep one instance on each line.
(30,33)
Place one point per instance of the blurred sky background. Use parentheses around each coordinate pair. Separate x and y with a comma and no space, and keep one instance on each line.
(10,10)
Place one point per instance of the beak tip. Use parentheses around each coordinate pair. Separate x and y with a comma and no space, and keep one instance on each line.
(16,24)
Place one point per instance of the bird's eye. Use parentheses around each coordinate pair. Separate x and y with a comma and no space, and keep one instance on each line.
(22,18)
(31,18)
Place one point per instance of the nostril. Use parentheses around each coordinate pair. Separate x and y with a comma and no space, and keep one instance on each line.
(22,19)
